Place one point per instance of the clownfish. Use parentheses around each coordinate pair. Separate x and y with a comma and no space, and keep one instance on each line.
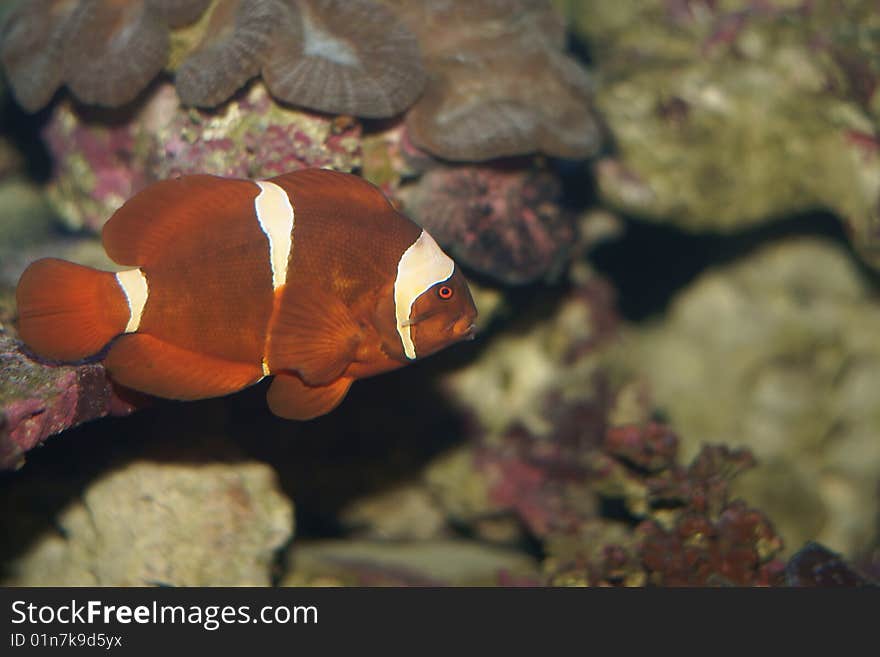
(311,277)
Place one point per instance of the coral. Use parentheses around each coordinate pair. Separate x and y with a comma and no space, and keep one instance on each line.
(32,44)
(555,456)
(38,400)
(504,222)
(779,353)
(537,400)
(113,50)
(147,522)
(178,13)
(100,165)
(689,531)
(548,356)
(105,52)
(346,57)
(420,563)
(814,565)
(357,57)
(727,115)
(350,57)
(236,38)
(476,105)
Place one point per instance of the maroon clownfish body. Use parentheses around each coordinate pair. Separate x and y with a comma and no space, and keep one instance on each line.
(312,277)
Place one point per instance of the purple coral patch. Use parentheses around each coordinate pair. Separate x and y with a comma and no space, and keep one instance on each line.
(502,221)
(40,400)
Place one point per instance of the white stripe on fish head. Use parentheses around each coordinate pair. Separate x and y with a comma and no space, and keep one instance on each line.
(421,266)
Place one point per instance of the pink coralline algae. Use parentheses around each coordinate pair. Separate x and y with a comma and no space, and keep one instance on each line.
(537,468)
(505,222)
(98,165)
(690,533)
(38,400)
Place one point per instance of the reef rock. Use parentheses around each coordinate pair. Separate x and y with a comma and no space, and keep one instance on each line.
(814,565)
(155,523)
(726,115)
(538,402)
(40,399)
(99,164)
(505,222)
(779,353)
(691,532)
(415,563)
(405,512)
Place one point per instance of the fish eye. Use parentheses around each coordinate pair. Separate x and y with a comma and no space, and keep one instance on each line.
(444,292)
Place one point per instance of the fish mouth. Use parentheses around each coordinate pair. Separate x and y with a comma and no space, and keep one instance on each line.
(468,333)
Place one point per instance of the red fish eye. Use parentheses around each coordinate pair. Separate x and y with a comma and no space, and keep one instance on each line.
(444,292)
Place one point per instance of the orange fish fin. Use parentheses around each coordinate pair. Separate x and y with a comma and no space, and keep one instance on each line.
(67,311)
(332,189)
(148,364)
(139,230)
(292,399)
(314,335)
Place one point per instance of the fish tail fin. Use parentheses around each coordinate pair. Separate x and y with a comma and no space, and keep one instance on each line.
(67,311)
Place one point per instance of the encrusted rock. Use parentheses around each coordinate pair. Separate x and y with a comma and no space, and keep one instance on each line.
(415,563)
(727,115)
(101,164)
(779,353)
(406,512)
(814,565)
(40,399)
(157,523)
(505,222)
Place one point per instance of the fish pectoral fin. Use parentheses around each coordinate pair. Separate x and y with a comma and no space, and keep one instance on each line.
(314,335)
(292,399)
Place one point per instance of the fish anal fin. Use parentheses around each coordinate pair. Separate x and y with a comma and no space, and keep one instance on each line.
(147,364)
(290,398)
(314,335)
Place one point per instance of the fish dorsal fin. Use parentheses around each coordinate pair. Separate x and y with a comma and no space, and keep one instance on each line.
(145,224)
(324,190)
(314,335)
(290,398)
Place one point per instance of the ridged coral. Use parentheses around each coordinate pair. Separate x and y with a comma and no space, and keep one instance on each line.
(358,57)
